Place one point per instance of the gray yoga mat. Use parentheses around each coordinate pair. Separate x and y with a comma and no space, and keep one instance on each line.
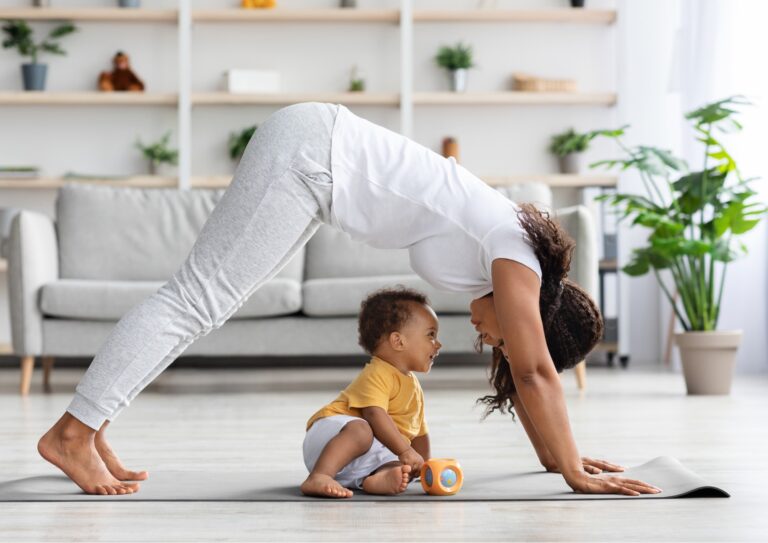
(665,472)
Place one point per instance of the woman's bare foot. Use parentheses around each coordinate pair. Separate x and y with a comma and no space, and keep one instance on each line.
(318,484)
(388,481)
(70,446)
(113,463)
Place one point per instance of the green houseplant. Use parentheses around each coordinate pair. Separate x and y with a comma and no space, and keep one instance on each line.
(19,34)
(158,153)
(695,219)
(238,141)
(457,60)
(566,146)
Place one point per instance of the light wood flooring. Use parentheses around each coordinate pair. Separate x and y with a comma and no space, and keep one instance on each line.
(197,419)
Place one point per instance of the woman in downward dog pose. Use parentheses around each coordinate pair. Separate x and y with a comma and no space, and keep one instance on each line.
(310,164)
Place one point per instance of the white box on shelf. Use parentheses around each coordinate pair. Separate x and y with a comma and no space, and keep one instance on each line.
(248,81)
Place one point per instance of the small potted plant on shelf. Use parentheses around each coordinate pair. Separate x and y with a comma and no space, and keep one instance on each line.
(356,80)
(19,34)
(129,3)
(457,60)
(694,218)
(567,147)
(158,153)
(238,141)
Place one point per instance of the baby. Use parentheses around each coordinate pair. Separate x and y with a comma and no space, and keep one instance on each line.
(374,436)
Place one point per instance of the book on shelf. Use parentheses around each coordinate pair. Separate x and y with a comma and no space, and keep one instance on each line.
(77,176)
(19,172)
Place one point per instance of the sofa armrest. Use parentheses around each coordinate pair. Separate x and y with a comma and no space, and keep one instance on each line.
(33,261)
(579,223)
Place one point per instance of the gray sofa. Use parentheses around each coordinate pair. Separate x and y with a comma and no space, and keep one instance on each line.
(109,248)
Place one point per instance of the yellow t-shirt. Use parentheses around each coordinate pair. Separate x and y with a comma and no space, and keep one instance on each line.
(380,384)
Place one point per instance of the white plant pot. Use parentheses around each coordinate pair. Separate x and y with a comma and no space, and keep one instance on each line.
(708,359)
(570,163)
(458,79)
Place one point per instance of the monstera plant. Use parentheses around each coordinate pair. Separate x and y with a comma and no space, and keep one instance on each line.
(695,219)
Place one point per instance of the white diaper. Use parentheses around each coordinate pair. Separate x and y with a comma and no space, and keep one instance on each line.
(351,475)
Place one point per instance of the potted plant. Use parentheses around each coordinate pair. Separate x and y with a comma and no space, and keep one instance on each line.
(159,153)
(457,60)
(356,80)
(695,218)
(19,34)
(238,141)
(566,146)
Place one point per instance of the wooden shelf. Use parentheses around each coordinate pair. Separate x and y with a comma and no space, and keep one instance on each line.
(221,181)
(90,14)
(92,98)
(146,181)
(555,180)
(513,98)
(349,98)
(567,15)
(337,15)
(609,265)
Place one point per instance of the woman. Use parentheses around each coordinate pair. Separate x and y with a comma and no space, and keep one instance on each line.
(318,163)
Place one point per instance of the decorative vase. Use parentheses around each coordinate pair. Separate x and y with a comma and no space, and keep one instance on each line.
(458,80)
(577,3)
(708,359)
(41,3)
(569,163)
(33,76)
(348,3)
(129,3)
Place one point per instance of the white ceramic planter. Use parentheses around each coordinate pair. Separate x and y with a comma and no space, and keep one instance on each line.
(708,359)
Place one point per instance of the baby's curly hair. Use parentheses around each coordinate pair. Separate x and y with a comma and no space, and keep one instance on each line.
(385,311)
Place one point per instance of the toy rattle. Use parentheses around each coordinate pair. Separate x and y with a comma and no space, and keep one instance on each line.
(441,476)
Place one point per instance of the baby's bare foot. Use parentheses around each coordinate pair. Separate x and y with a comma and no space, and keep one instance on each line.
(113,463)
(388,481)
(318,484)
(75,454)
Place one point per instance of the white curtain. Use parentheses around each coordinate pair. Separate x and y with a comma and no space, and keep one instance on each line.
(722,51)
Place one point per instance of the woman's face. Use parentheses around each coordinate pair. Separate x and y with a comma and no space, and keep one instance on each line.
(484,320)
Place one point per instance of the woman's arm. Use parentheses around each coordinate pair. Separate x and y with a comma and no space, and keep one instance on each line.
(545,457)
(516,297)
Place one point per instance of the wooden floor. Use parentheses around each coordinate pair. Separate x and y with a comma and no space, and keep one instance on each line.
(193,419)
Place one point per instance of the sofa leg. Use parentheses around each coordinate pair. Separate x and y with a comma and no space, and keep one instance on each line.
(47,368)
(581,374)
(27,366)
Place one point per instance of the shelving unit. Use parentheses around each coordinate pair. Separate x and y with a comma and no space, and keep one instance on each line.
(47,98)
(514,98)
(347,98)
(91,14)
(221,181)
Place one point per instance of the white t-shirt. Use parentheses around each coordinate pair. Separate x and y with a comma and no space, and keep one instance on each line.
(393,193)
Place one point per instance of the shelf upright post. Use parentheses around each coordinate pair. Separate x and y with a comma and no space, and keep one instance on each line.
(406,68)
(185,102)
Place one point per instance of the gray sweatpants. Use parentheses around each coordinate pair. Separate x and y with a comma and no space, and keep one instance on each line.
(280,194)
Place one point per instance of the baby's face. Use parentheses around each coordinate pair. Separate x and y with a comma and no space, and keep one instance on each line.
(421,343)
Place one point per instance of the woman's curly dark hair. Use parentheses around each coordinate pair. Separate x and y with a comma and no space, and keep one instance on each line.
(572,322)
(385,311)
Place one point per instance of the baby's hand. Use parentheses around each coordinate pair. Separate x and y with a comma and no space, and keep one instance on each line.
(411,458)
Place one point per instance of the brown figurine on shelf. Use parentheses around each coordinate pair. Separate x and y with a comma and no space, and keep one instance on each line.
(122,77)
(451,148)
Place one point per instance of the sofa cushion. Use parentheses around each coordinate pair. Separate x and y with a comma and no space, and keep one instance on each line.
(334,297)
(117,233)
(332,253)
(110,300)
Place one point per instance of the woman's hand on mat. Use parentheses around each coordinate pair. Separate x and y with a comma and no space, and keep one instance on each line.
(589,484)
(411,458)
(591,465)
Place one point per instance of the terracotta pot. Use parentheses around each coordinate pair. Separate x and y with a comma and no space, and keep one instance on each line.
(708,359)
